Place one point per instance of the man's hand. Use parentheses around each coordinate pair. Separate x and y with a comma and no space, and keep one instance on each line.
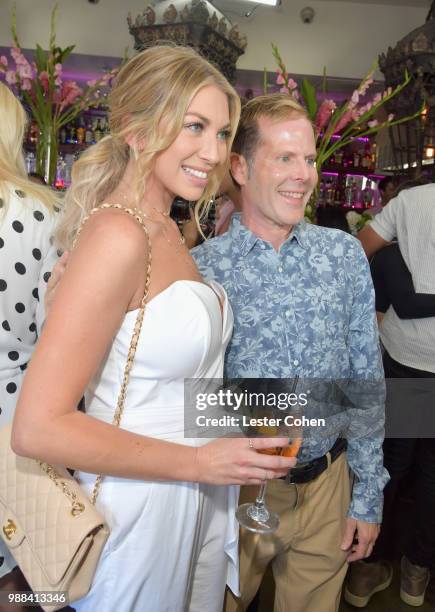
(366,535)
(54,279)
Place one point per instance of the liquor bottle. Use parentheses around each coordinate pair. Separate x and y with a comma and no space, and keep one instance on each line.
(105,128)
(367,196)
(62,135)
(330,192)
(89,136)
(373,156)
(339,192)
(321,195)
(30,162)
(356,159)
(366,160)
(81,131)
(339,157)
(349,194)
(98,132)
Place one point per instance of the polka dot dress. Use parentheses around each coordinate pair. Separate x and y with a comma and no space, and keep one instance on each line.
(27,256)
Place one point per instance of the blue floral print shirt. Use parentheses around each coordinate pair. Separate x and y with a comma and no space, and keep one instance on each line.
(308,311)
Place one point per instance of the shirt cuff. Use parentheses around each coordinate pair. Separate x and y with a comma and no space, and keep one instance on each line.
(364,507)
(376,226)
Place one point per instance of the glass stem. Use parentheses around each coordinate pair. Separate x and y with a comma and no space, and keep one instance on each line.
(259,502)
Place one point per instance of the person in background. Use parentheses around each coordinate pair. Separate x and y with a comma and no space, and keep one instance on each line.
(409,354)
(27,255)
(173,537)
(387,188)
(303,307)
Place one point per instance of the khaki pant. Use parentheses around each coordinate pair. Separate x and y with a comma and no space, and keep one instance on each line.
(307,563)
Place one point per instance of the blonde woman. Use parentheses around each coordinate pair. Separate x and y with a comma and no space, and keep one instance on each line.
(27,222)
(173,542)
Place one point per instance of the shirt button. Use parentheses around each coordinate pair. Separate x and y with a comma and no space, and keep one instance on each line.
(296,362)
(280,269)
(287,313)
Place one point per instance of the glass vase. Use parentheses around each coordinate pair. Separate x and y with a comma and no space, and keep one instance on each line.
(47,152)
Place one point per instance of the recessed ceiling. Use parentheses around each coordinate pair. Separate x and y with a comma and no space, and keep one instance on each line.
(239,7)
(412,3)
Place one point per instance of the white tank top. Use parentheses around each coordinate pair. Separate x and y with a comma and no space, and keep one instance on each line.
(184,335)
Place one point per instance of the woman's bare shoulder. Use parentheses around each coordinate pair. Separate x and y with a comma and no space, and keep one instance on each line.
(116,232)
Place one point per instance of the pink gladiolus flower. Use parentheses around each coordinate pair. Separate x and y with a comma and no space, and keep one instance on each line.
(387,92)
(324,113)
(373,123)
(364,86)
(91,83)
(284,90)
(354,99)
(69,94)
(280,80)
(43,79)
(26,85)
(355,114)
(58,82)
(344,120)
(4,61)
(58,69)
(11,77)
(24,71)
(291,84)
(377,98)
(18,56)
(390,117)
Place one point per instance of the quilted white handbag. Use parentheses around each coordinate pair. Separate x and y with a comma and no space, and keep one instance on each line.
(49,525)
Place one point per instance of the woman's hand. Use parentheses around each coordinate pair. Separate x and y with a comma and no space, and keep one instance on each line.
(236,461)
(53,282)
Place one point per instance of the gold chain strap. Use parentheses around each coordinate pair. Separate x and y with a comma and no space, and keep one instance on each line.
(76,506)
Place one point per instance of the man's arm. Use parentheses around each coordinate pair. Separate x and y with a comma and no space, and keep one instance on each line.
(371,241)
(383,228)
(366,419)
(393,285)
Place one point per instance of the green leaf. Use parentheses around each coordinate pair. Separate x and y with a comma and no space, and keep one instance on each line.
(308,92)
(64,53)
(14,26)
(53,28)
(40,58)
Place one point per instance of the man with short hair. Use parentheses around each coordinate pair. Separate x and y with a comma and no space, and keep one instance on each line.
(387,188)
(303,307)
(409,354)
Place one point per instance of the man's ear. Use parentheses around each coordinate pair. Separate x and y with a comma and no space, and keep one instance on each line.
(239,168)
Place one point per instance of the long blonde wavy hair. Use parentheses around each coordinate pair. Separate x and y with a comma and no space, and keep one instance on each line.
(13,125)
(152,89)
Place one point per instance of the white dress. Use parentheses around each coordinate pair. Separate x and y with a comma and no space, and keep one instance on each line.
(27,256)
(173,545)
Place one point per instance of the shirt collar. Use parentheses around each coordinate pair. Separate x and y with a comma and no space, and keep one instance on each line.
(248,239)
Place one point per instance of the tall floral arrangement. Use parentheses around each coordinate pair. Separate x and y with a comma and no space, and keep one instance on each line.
(354,118)
(52,100)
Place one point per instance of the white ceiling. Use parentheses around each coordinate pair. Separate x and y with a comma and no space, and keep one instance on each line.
(413,3)
(240,6)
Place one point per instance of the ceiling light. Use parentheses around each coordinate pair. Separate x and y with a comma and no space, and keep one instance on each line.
(268,2)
